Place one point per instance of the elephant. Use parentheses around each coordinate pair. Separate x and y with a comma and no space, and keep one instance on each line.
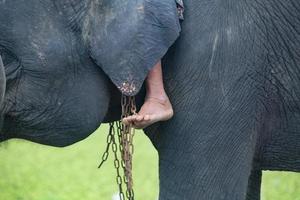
(231,70)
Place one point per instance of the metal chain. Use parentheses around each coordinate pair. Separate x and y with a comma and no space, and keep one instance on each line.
(123,134)
(129,108)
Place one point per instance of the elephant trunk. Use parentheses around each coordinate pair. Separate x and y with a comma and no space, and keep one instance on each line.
(2,89)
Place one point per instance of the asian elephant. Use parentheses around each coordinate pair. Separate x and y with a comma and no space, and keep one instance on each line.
(232,75)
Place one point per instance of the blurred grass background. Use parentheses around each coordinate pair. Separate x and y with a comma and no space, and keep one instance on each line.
(30,171)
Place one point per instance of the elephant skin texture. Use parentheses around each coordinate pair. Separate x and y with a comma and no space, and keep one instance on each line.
(233,77)
(55,54)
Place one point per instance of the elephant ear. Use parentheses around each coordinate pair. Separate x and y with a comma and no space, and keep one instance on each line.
(128,37)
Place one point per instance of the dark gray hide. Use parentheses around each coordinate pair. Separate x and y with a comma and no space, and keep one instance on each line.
(233,78)
(54,94)
(53,50)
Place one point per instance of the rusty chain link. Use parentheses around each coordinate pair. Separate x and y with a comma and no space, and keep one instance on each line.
(120,138)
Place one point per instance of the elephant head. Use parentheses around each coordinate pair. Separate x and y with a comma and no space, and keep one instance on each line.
(61,58)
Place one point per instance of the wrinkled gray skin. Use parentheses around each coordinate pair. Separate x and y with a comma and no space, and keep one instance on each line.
(54,53)
(233,78)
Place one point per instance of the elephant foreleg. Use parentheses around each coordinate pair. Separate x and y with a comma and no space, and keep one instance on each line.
(206,151)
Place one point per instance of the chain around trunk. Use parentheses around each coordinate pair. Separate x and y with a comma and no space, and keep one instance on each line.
(122,135)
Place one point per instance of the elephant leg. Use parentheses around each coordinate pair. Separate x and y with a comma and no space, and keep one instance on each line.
(206,150)
(254,185)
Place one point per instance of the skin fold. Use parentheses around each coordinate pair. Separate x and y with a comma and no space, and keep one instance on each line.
(232,77)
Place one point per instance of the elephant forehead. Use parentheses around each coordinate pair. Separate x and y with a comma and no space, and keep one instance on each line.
(36,34)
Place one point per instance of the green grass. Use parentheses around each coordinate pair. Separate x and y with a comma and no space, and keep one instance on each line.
(281,186)
(30,171)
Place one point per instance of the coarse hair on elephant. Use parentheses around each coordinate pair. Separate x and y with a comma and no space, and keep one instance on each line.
(233,77)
